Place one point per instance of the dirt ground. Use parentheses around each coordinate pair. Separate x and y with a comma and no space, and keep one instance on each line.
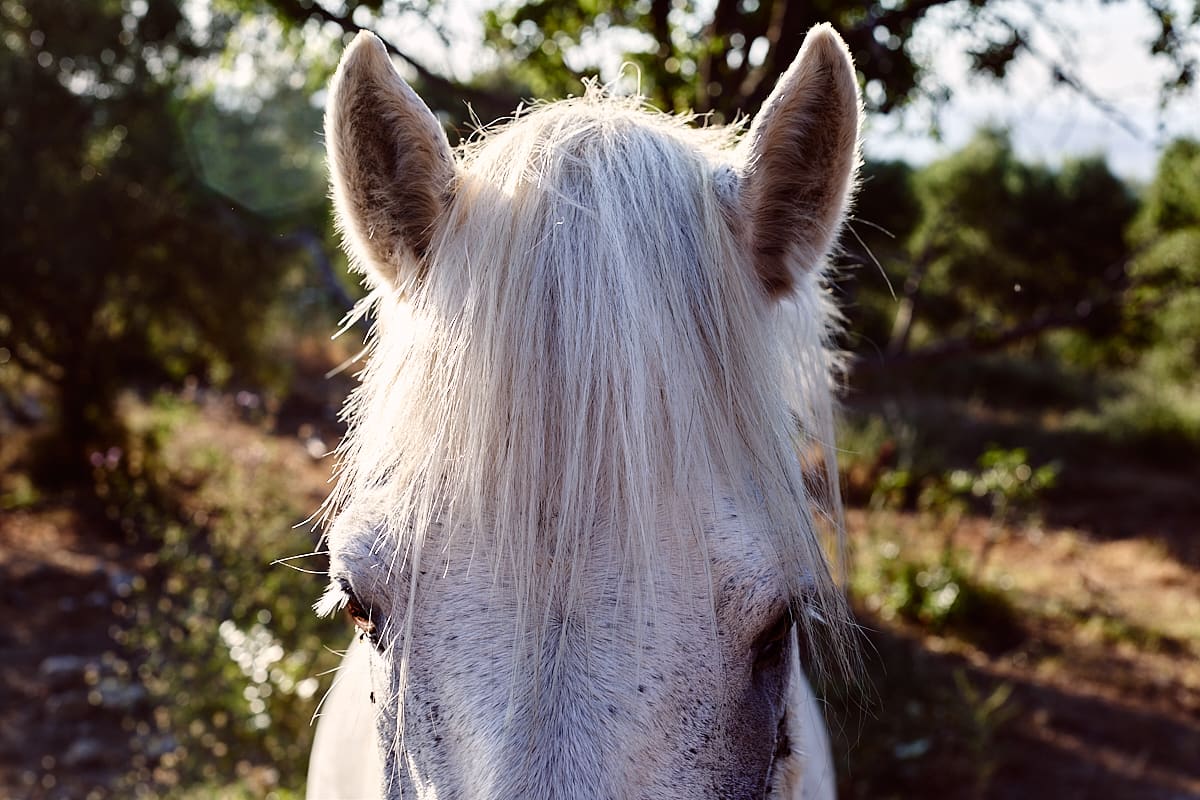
(72,716)
(1100,684)
(1098,696)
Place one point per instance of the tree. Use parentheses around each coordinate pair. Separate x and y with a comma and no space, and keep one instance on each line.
(726,61)
(120,263)
(724,57)
(488,97)
(886,212)
(998,251)
(1166,305)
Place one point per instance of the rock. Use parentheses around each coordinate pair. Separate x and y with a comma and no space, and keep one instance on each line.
(159,745)
(121,696)
(83,752)
(60,671)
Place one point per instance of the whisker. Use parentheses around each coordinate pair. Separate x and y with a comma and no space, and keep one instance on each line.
(321,704)
(301,555)
(283,563)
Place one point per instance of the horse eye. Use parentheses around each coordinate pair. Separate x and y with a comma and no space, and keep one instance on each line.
(772,643)
(359,613)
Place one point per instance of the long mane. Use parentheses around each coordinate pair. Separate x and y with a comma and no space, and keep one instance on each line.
(588,355)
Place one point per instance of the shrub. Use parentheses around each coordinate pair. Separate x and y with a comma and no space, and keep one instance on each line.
(227,644)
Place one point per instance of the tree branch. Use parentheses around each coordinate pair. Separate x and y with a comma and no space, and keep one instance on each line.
(306,239)
(980,342)
(492,104)
(1065,75)
(977,342)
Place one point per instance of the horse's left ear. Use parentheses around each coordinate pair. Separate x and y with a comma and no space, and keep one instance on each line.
(801,159)
(391,165)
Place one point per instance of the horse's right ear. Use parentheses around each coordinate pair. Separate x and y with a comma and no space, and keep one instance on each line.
(801,156)
(390,162)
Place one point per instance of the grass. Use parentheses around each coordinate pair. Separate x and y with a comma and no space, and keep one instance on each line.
(942,594)
(907,568)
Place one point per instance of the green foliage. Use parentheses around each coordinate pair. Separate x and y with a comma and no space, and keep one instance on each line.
(980,249)
(1148,416)
(1172,202)
(1002,241)
(1005,480)
(1094,300)
(943,596)
(886,212)
(1166,307)
(250,787)
(988,712)
(892,489)
(226,641)
(904,472)
(17,491)
(123,265)
(268,159)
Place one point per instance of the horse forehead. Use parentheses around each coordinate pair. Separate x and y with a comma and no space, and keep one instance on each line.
(729,559)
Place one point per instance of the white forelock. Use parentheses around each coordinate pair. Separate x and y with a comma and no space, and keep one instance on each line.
(587,353)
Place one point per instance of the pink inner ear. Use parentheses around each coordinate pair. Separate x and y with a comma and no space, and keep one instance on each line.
(804,154)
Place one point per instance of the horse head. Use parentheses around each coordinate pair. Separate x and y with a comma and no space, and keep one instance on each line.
(583,501)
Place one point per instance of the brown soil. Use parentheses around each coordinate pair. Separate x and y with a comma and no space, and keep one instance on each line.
(69,707)
(1101,683)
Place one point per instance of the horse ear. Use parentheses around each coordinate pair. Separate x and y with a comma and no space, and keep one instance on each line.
(390,162)
(801,161)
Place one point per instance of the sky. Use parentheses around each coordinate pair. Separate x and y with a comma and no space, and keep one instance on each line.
(1106,43)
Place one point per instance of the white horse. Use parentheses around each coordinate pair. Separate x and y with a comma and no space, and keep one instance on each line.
(582,507)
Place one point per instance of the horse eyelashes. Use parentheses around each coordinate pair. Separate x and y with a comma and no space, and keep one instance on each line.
(360,614)
(772,643)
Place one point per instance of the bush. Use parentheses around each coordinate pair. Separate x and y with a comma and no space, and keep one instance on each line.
(227,644)
(942,596)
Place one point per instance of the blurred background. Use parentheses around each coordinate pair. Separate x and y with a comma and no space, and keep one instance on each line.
(1021,428)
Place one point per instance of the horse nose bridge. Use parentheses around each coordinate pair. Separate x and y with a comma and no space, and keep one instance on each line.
(578,737)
